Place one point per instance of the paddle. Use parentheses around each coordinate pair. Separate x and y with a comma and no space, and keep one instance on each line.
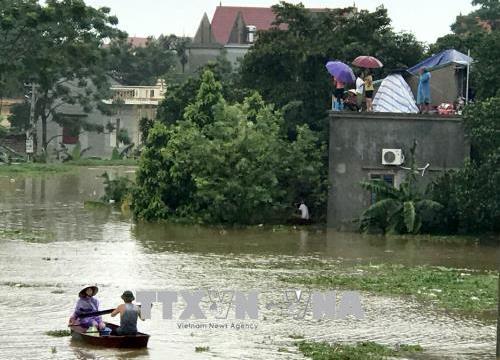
(97,313)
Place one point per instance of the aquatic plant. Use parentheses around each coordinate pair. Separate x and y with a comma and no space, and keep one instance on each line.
(58,333)
(359,351)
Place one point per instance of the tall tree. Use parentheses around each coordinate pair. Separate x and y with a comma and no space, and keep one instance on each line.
(286,64)
(144,65)
(478,32)
(226,164)
(68,64)
(19,20)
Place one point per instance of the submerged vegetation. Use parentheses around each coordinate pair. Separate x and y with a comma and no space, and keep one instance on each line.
(450,289)
(359,351)
(55,168)
(58,333)
(228,164)
(27,235)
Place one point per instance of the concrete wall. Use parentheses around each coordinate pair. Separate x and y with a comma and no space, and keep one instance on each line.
(356,143)
(234,53)
(199,56)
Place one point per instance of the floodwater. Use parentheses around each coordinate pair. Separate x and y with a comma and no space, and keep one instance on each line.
(62,246)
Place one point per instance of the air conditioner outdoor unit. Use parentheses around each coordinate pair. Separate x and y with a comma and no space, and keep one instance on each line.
(392,157)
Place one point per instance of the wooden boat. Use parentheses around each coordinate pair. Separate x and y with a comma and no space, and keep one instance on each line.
(140,340)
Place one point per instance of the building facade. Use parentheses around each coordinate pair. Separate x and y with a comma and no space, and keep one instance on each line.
(125,109)
(357,143)
(231,32)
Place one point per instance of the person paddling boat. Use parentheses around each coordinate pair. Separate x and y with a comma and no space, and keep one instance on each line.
(87,303)
(129,313)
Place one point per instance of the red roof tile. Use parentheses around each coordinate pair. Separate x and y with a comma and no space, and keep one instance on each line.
(137,41)
(225,16)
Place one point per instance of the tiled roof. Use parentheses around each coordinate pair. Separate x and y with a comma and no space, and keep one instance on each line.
(138,41)
(225,16)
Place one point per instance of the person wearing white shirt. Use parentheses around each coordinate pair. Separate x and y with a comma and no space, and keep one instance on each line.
(360,84)
(304,211)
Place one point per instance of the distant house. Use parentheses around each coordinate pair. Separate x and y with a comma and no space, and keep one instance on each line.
(128,106)
(232,31)
(137,42)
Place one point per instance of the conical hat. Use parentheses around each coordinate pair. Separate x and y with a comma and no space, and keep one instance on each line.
(93,287)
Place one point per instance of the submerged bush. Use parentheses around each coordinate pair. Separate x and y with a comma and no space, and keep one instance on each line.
(227,164)
(116,190)
(470,195)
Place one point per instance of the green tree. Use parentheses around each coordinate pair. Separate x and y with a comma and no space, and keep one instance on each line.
(19,21)
(287,65)
(20,116)
(470,194)
(225,163)
(489,11)
(67,61)
(201,112)
(179,96)
(131,65)
(145,125)
(478,32)
(178,45)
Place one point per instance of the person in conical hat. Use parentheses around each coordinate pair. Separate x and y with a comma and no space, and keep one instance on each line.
(87,303)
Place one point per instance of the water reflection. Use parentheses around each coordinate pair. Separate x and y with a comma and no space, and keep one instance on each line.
(410,250)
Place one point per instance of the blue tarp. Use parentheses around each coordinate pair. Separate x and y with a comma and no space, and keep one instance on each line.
(442,58)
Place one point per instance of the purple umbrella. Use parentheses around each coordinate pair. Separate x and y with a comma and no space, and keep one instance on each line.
(341,71)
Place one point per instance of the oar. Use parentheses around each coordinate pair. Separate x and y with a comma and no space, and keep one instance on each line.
(97,313)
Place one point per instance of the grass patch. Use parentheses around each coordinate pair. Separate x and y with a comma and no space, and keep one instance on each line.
(201,348)
(30,236)
(359,351)
(450,289)
(58,167)
(103,162)
(58,333)
(34,168)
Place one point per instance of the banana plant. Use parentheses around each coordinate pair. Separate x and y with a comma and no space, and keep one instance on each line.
(398,210)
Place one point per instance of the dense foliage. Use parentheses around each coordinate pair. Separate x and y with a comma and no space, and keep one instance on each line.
(144,65)
(117,189)
(60,50)
(227,163)
(478,32)
(287,66)
(180,95)
(470,195)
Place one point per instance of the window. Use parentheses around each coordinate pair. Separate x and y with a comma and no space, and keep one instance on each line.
(388,178)
(70,131)
(151,93)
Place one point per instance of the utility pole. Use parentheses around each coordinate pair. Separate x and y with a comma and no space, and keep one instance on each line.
(498,320)
(32,127)
(468,72)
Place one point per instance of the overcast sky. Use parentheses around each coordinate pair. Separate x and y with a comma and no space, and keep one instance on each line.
(427,19)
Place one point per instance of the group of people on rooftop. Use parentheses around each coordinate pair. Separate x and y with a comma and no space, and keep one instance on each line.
(364,90)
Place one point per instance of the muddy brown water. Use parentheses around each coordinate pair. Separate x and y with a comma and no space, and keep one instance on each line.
(61,246)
